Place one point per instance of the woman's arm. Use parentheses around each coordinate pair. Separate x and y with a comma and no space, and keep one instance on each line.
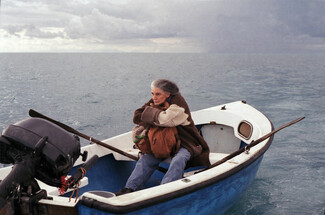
(172,117)
(138,113)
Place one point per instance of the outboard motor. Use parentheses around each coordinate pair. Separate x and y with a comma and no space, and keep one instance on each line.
(38,149)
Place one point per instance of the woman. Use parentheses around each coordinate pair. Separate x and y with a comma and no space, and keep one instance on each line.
(193,150)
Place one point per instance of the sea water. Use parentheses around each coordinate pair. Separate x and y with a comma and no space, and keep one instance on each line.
(97,93)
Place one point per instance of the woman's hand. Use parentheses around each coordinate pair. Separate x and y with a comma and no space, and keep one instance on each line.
(150,115)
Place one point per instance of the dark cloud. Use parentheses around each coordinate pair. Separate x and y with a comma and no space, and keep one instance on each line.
(215,26)
(303,17)
(253,26)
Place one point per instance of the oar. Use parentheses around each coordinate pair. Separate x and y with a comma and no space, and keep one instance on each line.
(34,113)
(253,143)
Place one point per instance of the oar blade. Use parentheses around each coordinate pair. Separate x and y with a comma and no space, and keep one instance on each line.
(34,113)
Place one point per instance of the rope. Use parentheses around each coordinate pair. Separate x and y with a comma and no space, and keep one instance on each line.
(83,172)
(76,187)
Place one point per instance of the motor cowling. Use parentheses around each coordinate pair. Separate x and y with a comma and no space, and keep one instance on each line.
(55,149)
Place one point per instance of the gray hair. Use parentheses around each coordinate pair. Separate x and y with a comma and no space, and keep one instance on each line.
(166,85)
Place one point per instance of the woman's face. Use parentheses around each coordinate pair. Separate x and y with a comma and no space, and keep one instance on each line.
(159,96)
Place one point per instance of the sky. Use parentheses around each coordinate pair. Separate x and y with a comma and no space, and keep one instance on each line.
(172,26)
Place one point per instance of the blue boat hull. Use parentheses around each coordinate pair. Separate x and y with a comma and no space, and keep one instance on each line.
(215,198)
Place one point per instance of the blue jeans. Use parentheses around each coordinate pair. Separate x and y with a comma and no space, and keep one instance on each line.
(147,164)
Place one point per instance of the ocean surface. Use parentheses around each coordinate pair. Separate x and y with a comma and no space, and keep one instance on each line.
(97,93)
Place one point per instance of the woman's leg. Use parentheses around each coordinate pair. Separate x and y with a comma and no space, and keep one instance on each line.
(144,168)
(177,166)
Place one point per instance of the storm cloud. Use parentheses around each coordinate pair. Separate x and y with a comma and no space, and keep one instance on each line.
(171,25)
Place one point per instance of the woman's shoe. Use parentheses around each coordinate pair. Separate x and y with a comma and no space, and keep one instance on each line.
(124,190)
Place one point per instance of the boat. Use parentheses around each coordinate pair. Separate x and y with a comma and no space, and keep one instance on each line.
(238,136)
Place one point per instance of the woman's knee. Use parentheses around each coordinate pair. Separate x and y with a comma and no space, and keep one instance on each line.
(148,160)
(183,154)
